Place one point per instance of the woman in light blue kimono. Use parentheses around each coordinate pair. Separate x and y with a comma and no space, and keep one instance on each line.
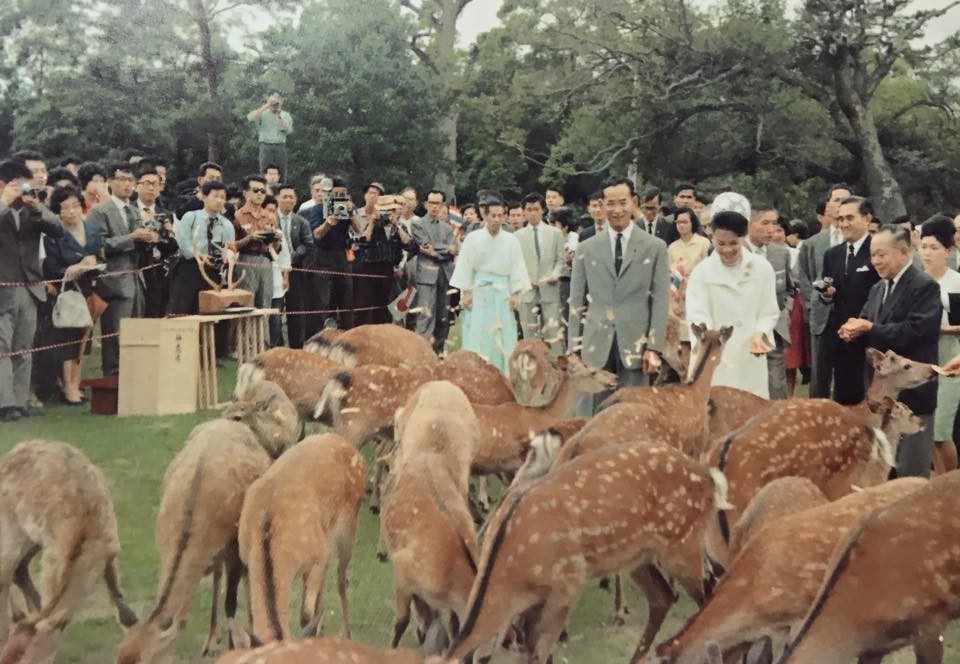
(490,274)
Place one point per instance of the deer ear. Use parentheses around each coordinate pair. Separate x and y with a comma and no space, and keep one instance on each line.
(726,333)
(874,357)
(889,402)
(563,362)
(699,329)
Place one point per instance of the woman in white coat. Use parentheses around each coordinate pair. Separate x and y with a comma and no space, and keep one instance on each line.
(737,288)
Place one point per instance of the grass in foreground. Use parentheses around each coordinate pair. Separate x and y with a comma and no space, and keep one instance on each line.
(134,452)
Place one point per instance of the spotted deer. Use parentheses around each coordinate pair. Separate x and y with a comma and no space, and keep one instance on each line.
(196,533)
(612,510)
(837,447)
(319,651)
(299,513)
(300,374)
(385,344)
(426,525)
(776,575)
(730,408)
(892,581)
(272,417)
(53,501)
(782,496)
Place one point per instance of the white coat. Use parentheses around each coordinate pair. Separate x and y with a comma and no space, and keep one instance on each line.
(744,297)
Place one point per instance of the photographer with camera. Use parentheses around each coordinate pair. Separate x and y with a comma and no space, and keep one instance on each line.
(256,234)
(330,223)
(22,220)
(274,125)
(381,248)
(155,218)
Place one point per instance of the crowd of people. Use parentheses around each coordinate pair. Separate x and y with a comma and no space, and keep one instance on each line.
(618,284)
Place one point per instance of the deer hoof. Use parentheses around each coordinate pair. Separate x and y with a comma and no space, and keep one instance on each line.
(375,509)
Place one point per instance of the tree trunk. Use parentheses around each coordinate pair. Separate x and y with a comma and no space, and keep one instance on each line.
(210,71)
(882,186)
(445,64)
(448,128)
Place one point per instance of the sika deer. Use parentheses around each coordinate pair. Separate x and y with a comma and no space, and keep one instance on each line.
(385,344)
(782,496)
(299,512)
(55,501)
(426,525)
(731,408)
(776,575)
(196,532)
(300,374)
(612,510)
(480,381)
(272,417)
(319,651)
(837,447)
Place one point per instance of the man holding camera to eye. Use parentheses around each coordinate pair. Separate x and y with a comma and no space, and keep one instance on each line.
(158,220)
(256,235)
(381,248)
(22,220)
(438,247)
(332,288)
(274,125)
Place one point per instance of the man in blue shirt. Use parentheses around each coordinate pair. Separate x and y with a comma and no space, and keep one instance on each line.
(200,233)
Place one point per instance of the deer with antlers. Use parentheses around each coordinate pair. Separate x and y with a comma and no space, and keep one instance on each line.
(837,447)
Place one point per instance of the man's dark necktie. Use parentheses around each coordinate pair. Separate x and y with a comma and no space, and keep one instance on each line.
(887,290)
(618,254)
(849,264)
(128,213)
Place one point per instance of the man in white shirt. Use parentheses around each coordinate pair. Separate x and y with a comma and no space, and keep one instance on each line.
(491,276)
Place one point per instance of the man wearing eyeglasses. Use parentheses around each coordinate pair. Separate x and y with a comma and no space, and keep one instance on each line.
(652,220)
(155,279)
(255,229)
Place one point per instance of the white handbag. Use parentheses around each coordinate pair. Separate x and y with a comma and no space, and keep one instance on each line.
(70,309)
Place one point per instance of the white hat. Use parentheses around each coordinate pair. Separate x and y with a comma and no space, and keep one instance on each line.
(731,201)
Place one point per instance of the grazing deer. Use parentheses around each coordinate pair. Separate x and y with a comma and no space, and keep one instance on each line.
(480,381)
(55,501)
(299,512)
(837,447)
(730,408)
(386,344)
(892,581)
(427,527)
(782,496)
(776,575)
(301,375)
(612,510)
(319,651)
(272,417)
(196,533)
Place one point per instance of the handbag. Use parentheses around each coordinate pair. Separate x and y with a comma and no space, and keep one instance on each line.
(70,310)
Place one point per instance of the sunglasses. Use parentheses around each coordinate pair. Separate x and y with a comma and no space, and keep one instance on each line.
(257,191)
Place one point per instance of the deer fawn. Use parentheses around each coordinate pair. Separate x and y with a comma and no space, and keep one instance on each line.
(614,509)
(299,512)
(892,581)
(55,501)
(301,375)
(272,417)
(386,344)
(776,575)
(837,447)
(196,533)
(426,524)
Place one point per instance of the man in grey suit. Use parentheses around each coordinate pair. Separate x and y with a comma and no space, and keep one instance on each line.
(121,226)
(438,247)
(759,235)
(296,229)
(22,220)
(811,269)
(626,274)
(542,248)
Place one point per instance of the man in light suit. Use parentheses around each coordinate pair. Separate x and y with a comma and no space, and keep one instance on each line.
(759,235)
(811,269)
(121,226)
(438,247)
(542,248)
(903,313)
(626,273)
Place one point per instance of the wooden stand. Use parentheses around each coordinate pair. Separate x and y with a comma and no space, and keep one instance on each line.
(214,302)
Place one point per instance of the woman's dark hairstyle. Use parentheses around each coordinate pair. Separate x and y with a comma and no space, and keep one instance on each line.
(468,206)
(799,228)
(270,200)
(694,219)
(563,216)
(730,221)
(88,170)
(941,227)
(61,194)
(783,224)
(61,173)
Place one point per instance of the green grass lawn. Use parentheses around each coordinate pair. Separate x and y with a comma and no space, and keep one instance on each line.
(133,452)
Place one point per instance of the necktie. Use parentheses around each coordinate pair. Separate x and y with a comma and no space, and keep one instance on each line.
(128,213)
(650,227)
(849,263)
(536,240)
(618,254)
(887,291)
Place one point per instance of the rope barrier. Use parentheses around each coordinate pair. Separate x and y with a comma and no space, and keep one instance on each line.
(99,275)
(309,270)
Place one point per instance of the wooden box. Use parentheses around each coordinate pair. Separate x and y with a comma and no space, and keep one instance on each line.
(159,366)
(215,302)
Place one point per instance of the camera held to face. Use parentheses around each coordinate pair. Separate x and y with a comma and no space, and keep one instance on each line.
(337,206)
(821,285)
(161,225)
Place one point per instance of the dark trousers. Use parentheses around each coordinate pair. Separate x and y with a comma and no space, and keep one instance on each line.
(156,293)
(185,286)
(821,372)
(849,365)
(275,323)
(330,293)
(373,291)
(625,378)
(296,301)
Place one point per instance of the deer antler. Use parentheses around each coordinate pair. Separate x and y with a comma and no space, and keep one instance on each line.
(201,263)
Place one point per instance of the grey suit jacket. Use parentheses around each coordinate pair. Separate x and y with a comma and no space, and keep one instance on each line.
(550,265)
(299,238)
(20,250)
(119,249)
(440,235)
(779,259)
(632,305)
(811,269)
